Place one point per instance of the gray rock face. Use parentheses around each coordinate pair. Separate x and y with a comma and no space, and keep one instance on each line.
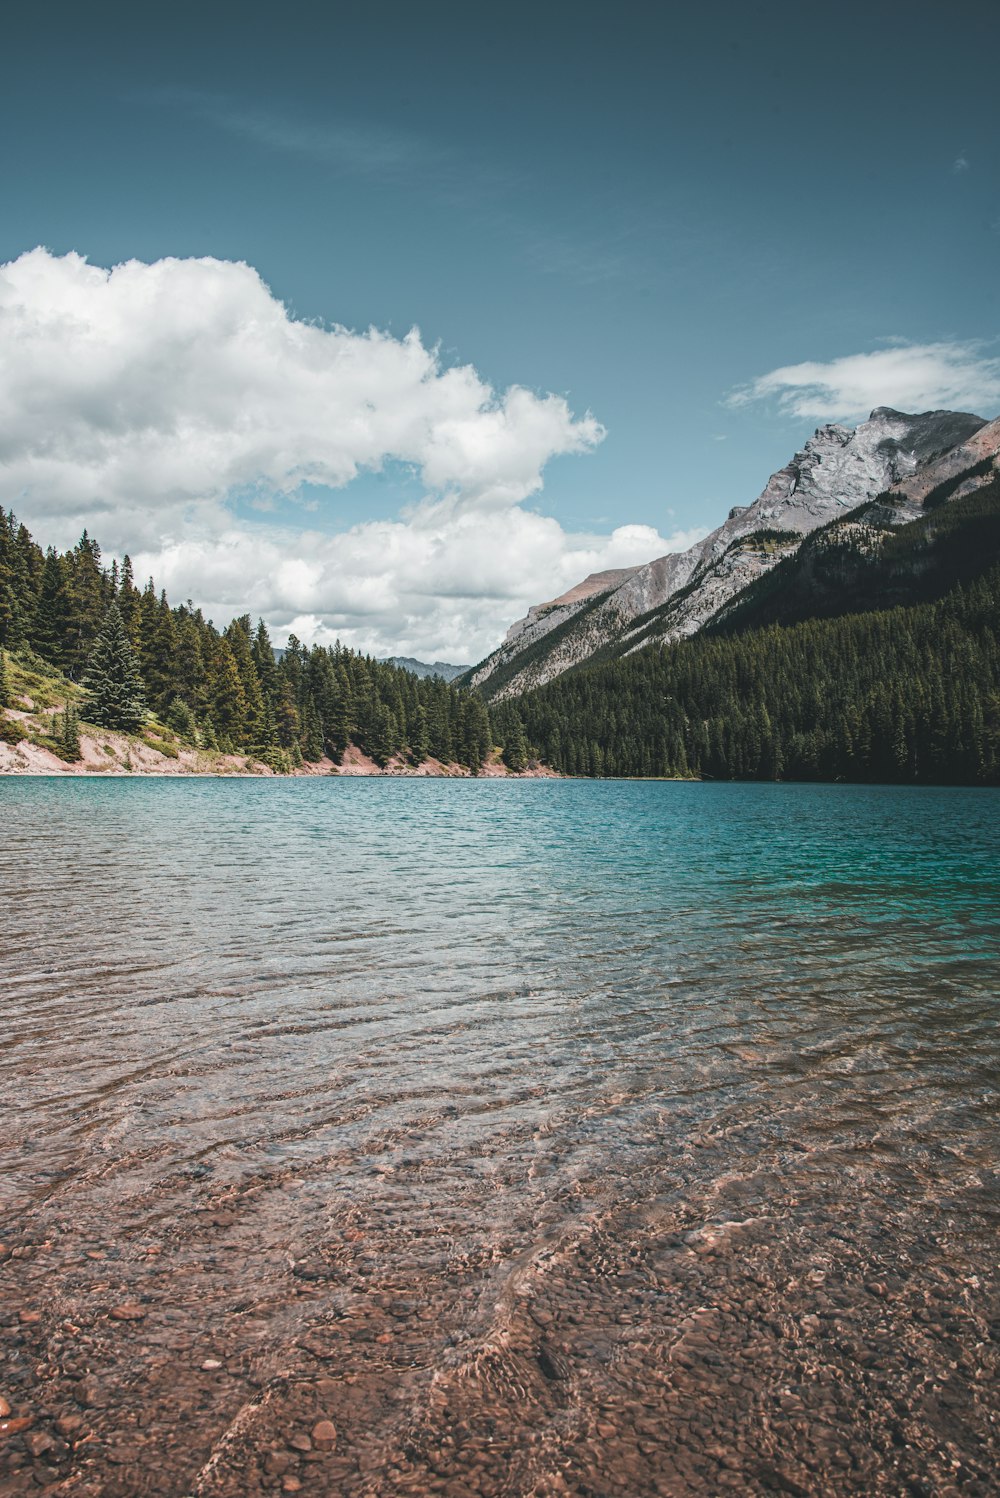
(676,595)
(985,443)
(543,617)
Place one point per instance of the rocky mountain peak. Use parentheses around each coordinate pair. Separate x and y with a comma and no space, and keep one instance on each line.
(836,470)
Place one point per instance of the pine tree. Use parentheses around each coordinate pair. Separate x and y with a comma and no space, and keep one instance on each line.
(255,729)
(53,611)
(515,749)
(286,716)
(263,659)
(5,694)
(420,744)
(69,734)
(20,570)
(116,697)
(475,733)
(128,598)
(311,741)
(88,597)
(439,731)
(11,621)
(157,645)
(229,705)
(189,663)
(181,719)
(208,735)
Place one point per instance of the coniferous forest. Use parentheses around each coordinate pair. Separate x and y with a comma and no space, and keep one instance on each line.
(811,674)
(903,694)
(133,653)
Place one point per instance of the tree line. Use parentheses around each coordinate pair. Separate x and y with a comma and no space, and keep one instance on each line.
(909,694)
(225,689)
(903,694)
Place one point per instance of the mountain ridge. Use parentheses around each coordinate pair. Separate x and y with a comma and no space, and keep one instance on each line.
(872,652)
(444,669)
(673,596)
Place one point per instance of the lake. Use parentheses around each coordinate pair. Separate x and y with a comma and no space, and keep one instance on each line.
(546,1137)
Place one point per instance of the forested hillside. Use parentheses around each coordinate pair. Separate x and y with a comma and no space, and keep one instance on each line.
(870,654)
(868,560)
(223,688)
(905,694)
(810,673)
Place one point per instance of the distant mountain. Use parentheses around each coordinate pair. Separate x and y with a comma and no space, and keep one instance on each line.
(677,595)
(871,653)
(442,669)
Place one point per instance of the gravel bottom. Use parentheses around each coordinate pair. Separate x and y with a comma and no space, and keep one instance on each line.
(746,1319)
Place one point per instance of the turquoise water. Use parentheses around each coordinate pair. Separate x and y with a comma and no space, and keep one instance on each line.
(448,939)
(479,1023)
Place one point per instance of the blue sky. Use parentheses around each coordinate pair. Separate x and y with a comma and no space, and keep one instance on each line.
(641,212)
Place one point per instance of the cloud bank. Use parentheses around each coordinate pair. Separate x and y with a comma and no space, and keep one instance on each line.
(139,401)
(908,376)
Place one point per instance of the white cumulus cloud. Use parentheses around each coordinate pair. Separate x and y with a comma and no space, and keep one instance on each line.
(139,401)
(908,376)
(437,585)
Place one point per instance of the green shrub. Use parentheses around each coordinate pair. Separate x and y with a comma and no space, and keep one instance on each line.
(161,746)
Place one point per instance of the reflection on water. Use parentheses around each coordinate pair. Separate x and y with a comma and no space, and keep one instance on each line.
(547,1137)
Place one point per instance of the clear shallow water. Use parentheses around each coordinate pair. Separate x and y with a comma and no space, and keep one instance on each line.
(504,1096)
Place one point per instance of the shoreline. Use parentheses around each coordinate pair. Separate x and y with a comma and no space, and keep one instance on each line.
(120,757)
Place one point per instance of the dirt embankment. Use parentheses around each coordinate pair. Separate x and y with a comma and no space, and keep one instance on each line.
(354,762)
(106,753)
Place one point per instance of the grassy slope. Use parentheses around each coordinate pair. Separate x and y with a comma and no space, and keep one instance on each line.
(38,696)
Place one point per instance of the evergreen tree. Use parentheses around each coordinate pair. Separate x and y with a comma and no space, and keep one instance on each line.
(229,705)
(69,734)
(5,693)
(128,597)
(256,721)
(11,620)
(311,738)
(52,614)
(420,743)
(263,659)
(286,716)
(475,733)
(189,676)
(116,696)
(515,746)
(209,739)
(87,598)
(439,731)
(20,570)
(181,719)
(157,645)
